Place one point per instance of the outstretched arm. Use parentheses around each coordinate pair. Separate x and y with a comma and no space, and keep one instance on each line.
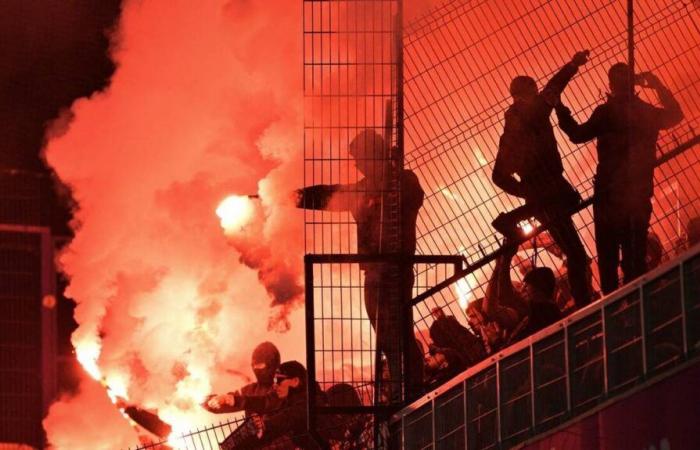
(235,401)
(330,197)
(555,86)
(500,285)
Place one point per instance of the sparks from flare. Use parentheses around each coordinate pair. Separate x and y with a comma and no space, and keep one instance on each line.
(527,227)
(463,287)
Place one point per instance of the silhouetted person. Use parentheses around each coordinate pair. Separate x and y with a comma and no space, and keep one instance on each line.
(447,333)
(539,287)
(364,201)
(626,128)
(528,149)
(265,361)
(345,431)
(536,298)
(282,412)
(655,251)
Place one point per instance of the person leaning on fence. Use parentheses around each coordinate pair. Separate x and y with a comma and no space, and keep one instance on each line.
(627,129)
(364,200)
(265,361)
(528,149)
(536,295)
(283,410)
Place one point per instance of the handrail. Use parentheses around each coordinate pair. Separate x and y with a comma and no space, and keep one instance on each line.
(601,309)
(471,267)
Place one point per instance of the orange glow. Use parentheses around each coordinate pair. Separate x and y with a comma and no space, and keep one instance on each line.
(87,354)
(464,293)
(234,212)
(526,227)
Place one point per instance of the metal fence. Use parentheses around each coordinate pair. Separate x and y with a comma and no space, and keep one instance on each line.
(442,83)
(640,334)
(27,332)
(459,60)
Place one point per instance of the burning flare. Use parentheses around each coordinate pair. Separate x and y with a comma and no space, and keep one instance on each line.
(235,211)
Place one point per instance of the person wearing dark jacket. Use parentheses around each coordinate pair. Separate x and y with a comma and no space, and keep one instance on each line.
(282,412)
(528,165)
(627,129)
(539,286)
(265,361)
(534,300)
(447,333)
(364,200)
(257,399)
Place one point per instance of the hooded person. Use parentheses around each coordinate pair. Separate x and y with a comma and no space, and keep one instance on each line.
(364,200)
(265,362)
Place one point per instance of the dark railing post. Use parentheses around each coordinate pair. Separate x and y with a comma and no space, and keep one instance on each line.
(310,345)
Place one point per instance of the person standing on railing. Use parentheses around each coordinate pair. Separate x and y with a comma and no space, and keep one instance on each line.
(363,200)
(627,129)
(528,165)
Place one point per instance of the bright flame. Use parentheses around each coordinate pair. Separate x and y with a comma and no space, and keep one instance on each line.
(116,387)
(87,353)
(234,211)
(464,292)
(526,227)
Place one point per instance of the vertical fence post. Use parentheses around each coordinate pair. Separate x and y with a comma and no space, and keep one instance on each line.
(630,44)
(310,345)
(684,322)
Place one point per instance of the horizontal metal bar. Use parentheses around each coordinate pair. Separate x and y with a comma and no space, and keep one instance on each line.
(593,308)
(470,268)
(351,258)
(376,409)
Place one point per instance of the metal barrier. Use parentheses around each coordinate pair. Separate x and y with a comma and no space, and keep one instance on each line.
(340,345)
(236,433)
(639,334)
(27,332)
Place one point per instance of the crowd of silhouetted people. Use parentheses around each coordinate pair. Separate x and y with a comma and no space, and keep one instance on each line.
(529,166)
(275,408)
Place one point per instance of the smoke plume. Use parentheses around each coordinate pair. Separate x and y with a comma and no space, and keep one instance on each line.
(205,103)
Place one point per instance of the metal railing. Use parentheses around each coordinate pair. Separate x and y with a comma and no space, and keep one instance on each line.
(639,334)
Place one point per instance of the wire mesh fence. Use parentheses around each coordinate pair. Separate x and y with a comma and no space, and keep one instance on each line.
(443,83)
(459,61)
(356,196)
(603,354)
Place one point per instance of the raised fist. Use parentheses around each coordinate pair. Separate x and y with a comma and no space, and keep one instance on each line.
(580,58)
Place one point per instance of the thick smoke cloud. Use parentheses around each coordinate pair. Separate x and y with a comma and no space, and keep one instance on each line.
(205,102)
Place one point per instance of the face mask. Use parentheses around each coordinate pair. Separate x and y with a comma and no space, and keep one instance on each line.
(263,373)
